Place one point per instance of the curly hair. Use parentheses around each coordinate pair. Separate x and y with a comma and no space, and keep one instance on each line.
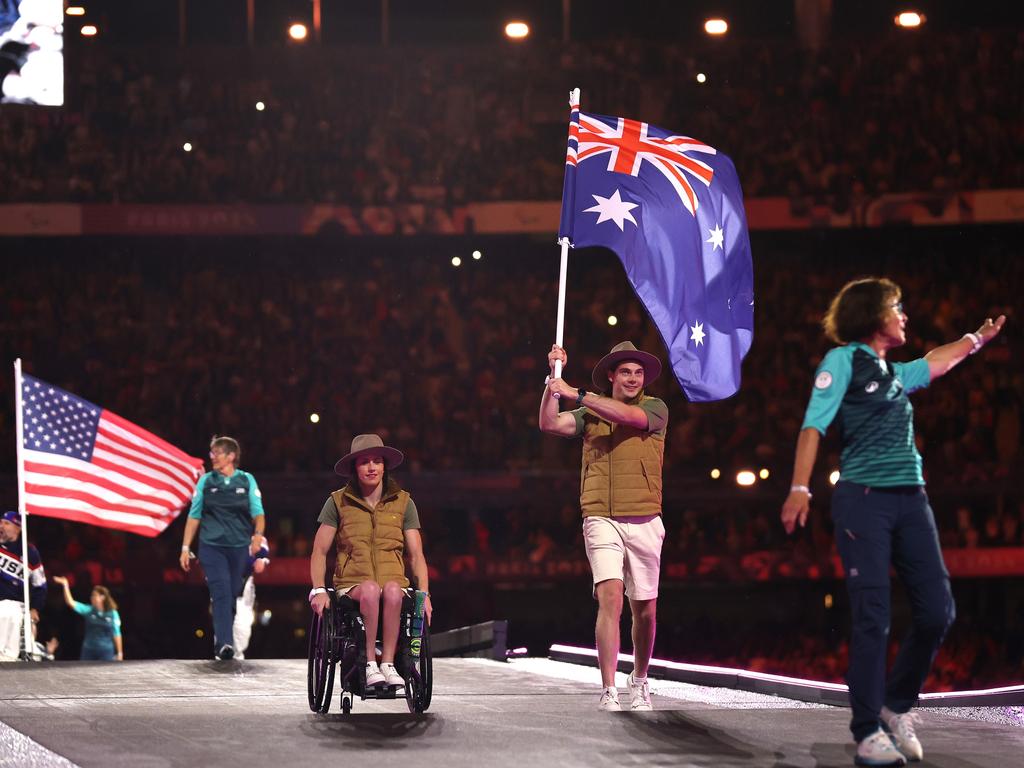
(859,309)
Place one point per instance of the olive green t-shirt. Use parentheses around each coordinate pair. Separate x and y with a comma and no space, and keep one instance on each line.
(329,515)
(654,407)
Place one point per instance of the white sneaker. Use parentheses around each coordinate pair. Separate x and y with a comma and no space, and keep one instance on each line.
(901,728)
(373,674)
(639,694)
(878,749)
(391,676)
(609,701)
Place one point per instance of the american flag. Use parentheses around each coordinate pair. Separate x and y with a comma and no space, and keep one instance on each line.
(86,464)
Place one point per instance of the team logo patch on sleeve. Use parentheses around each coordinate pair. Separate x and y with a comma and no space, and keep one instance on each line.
(824,380)
(871,387)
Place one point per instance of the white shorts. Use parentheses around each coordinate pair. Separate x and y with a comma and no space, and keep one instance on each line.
(627,549)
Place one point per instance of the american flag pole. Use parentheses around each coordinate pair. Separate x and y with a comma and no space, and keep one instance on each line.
(20,437)
(574,105)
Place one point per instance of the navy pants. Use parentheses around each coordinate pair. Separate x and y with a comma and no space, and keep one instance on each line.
(224,568)
(876,527)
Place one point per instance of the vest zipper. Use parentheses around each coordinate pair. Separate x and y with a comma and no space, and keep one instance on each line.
(373,542)
(611,479)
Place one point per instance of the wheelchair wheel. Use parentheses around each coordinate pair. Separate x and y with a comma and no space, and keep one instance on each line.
(346,703)
(320,672)
(419,687)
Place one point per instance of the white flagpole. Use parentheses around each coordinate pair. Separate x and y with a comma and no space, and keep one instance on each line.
(20,437)
(574,100)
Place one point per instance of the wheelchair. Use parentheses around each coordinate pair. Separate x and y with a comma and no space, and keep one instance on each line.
(337,645)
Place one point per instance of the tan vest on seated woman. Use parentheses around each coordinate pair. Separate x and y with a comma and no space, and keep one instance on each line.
(621,473)
(370,540)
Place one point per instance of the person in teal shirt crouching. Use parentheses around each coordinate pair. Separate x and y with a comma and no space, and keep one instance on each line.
(102,640)
(227,512)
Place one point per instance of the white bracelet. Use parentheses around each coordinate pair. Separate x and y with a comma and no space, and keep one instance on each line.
(185,548)
(317,591)
(802,489)
(975,340)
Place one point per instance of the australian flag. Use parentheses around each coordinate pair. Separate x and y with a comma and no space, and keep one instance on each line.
(671,207)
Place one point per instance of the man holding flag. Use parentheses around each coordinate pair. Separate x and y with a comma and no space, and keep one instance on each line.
(13,575)
(620,495)
(671,208)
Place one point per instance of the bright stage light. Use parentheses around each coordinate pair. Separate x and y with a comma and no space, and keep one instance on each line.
(315,418)
(764,473)
(613,320)
(828,601)
(745,478)
(716,473)
(187,146)
(456,261)
(716,26)
(89,30)
(517,30)
(75,10)
(477,255)
(909,19)
(834,476)
(260,106)
(702,78)
(298,32)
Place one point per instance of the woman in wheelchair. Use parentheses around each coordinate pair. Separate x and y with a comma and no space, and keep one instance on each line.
(375,527)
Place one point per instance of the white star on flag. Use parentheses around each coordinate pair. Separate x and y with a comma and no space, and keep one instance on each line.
(698,333)
(613,208)
(717,237)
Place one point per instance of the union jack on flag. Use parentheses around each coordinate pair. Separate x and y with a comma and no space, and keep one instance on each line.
(86,464)
(671,208)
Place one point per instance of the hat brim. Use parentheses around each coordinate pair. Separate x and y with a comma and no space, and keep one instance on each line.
(651,364)
(392,458)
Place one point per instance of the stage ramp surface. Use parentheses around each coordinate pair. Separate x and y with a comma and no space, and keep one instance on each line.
(525,712)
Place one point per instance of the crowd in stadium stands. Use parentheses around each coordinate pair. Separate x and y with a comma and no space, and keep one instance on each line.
(921,112)
(192,337)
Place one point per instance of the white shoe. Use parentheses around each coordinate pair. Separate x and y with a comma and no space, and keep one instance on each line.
(391,676)
(373,675)
(609,701)
(901,728)
(878,749)
(639,695)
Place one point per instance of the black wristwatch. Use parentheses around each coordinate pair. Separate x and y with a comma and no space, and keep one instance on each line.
(580,396)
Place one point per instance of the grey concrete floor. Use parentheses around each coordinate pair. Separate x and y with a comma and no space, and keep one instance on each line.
(526,713)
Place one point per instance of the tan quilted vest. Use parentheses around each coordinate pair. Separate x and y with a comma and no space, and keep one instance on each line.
(621,473)
(370,541)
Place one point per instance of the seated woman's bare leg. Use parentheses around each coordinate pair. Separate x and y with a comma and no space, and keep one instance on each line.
(367,595)
(392,618)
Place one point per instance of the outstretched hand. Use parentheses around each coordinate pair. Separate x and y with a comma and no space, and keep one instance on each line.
(989,329)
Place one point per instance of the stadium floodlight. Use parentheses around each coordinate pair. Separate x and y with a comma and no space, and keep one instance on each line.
(716,473)
(716,26)
(764,474)
(613,320)
(75,10)
(745,478)
(89,30)
(456,261)
(517,30)
(298,32)
(909,19)
(260,106)
(702,78)
(477,255)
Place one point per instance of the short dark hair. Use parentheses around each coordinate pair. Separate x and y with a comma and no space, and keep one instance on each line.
(859,309)
(228,445)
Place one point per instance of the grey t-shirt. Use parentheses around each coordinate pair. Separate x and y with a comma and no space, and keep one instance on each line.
(329,515)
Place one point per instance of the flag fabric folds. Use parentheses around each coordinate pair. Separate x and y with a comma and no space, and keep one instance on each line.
(671,208)
(86,464)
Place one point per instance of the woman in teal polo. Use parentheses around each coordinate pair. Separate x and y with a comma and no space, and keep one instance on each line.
(102,640)
(879,506)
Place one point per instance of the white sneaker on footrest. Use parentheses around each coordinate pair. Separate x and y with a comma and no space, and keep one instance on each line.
(391,676)
(374,676)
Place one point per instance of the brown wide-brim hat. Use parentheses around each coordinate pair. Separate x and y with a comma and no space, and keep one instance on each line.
(368,444)
(626,351)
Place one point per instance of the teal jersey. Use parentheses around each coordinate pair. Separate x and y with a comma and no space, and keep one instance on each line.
(876,420)
(226,507)
(98,624)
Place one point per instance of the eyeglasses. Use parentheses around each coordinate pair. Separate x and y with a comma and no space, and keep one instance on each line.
(215,454)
